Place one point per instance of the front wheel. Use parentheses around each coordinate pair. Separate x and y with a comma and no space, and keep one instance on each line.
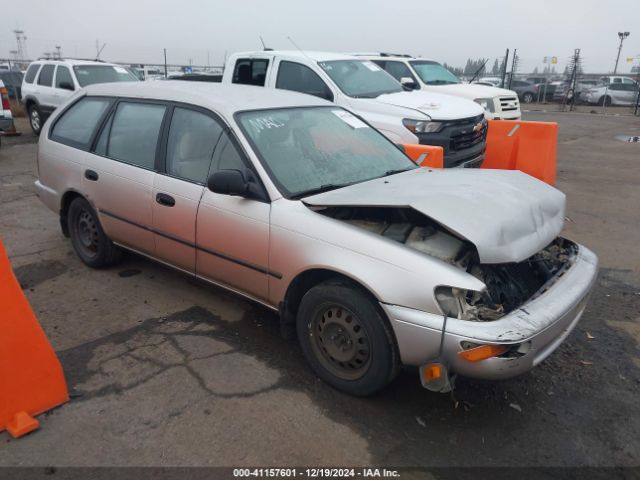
(89,241)
(346,338)
(605,101)
(35,119)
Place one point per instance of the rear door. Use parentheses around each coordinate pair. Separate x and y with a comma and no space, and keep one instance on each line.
(189,144)
(44,88)
(120,172)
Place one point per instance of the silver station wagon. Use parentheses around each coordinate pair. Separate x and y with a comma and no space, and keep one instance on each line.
(303,207)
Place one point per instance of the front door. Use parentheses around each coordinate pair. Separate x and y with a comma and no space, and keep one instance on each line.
(232,233)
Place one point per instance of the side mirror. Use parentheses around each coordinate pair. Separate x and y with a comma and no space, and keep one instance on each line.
(67,86)
(228,182)
(408,83)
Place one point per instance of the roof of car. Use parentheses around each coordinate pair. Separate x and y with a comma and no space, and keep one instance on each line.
(74,61)
(315,56)
(222,98)
(390,56)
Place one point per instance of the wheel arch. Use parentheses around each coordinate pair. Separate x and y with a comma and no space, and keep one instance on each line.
(301,284)
(68,197)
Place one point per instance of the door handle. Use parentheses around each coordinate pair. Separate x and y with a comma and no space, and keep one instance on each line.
(91,175)
(166,200)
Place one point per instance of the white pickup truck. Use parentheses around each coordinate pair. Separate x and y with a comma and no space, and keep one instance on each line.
(431,76)
(361,86)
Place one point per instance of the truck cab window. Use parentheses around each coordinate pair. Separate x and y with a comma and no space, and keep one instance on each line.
(300,78)
(251,71)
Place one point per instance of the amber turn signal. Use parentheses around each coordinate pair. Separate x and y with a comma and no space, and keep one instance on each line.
(482,352)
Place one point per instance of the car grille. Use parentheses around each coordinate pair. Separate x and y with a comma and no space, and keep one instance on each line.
(508,104)
(467,137)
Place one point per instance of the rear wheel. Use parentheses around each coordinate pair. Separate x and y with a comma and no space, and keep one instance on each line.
(35,118)
(346,338)
(89,241)
(527,97)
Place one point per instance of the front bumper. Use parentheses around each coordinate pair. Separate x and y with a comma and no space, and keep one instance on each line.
(543,323)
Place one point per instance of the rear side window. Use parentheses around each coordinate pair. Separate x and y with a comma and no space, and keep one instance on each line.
(192,139)
(76,126)
(300,78)
(63,78)
(133,137)
(31,72)
(251,71)
(46,75)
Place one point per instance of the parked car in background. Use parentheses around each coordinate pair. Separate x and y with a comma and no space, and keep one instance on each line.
(493,81)
(299,205)
(431,76)
(527,91)
(13,83)
(565,91)
(48,83)
(620,91)
(456,124)
(6,118)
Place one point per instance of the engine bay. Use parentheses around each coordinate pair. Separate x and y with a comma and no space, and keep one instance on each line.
(508,285)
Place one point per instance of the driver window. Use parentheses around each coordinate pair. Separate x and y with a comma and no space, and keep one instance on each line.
(300,78)
(192,140)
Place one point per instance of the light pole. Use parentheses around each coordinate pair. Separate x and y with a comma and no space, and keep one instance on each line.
(622,36)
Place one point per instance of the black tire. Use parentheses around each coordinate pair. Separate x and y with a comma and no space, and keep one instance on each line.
(89,241)
(362,327)
(604,100)
(35,118)
(527,97)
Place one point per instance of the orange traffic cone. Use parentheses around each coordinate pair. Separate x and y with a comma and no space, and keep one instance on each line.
(31,377)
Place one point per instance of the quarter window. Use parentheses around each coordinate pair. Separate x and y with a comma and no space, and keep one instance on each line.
(300,78)
(192,139)
(63,78)
(227,156)
(31,72)
(46,75)
(250,71)
(134,133)
(76,126)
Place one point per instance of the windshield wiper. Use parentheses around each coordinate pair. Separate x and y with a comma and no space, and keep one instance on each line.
(397,170)
(321,189)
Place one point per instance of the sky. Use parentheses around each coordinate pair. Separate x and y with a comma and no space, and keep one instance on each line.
(201,32)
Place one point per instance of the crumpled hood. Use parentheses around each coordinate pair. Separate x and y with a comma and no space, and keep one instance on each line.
(508,215)
(473,91)
(437,105)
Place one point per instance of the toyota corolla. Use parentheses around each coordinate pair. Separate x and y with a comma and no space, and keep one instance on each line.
(302,206)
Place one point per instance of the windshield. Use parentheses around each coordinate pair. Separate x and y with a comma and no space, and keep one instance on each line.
(90,74)
(314,149)
(360,78)
(432,73)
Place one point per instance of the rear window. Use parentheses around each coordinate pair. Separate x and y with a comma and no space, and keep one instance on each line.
(46,75)
(91,74)
(250,71)
(76,126)
(31,72)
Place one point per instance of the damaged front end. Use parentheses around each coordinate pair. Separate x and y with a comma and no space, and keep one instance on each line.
(508,285)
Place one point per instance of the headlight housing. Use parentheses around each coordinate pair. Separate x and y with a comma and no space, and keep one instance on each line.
(486,103)
(422,126)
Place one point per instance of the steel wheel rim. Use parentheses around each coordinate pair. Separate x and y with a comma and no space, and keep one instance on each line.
(87,234)
(340,342)
(35,120)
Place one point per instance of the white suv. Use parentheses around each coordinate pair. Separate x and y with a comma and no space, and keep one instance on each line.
(48,83)
(431,76)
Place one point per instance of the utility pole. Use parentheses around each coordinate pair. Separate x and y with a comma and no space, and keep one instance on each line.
(504,68)
(165,63)
(622,36)
(514,65)
(570,94)
(59,51)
